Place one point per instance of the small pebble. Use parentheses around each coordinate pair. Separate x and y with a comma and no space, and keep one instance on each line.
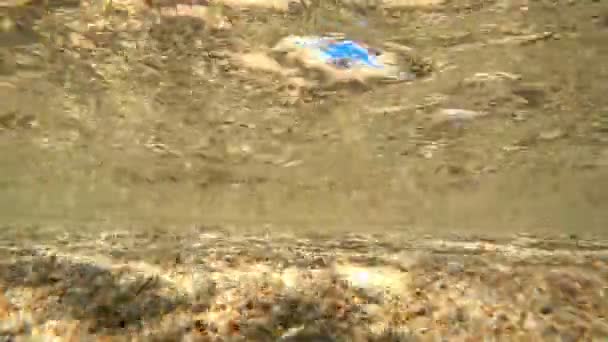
(546,309)
(455,267)
(371,310)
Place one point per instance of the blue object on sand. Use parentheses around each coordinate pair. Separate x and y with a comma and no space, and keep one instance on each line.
(343,53)
(352,52)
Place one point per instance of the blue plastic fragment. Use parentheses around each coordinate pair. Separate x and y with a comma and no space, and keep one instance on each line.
(351,51)
(342,53)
